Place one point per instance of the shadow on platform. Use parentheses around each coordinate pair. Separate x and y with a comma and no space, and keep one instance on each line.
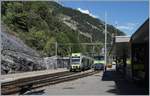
(122,86)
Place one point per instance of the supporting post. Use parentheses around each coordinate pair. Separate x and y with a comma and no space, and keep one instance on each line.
(78,35)
(56,46)
(69,57)
(105,41)
(92,47)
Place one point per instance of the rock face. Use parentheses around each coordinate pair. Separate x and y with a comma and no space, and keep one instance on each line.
(17,56)
(56,62)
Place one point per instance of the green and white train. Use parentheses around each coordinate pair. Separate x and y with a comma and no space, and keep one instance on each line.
(99,63)
(80,62)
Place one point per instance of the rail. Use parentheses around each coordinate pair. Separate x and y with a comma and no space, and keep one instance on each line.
(23,85)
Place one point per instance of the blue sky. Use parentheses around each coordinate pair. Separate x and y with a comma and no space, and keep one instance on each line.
(128,16)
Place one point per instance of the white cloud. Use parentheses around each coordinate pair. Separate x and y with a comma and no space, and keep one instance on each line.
(124,27)
(127,26)
(87,12)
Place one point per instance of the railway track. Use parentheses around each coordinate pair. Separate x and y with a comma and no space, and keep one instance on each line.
(20,86)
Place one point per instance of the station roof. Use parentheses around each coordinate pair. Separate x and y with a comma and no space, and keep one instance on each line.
(121,43)
(142,34)
(119,39)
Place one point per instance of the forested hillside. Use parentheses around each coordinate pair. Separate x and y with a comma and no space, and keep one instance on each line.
(40,24)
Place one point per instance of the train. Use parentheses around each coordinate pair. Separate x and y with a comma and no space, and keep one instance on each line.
(80,62)
(99,62)
(132,57)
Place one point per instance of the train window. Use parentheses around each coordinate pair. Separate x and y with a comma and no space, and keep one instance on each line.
(99,57)
(75,60)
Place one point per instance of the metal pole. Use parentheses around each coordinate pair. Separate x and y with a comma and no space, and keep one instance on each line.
(78,35)
(56,46)
(0,39)
(92,47)
(69,58)
(70,50)
(105,41)
(116,28)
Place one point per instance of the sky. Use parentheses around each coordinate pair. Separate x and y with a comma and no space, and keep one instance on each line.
(127,16)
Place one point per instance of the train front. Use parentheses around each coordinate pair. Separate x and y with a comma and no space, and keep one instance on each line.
(75,62)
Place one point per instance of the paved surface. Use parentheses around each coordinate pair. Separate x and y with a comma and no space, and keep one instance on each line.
(108,83)
(11,77)
(91,85)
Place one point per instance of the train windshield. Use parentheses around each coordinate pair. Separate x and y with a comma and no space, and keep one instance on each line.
(75,60)
(99,57)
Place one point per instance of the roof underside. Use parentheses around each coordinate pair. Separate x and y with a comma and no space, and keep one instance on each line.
(142,34)
(121,49)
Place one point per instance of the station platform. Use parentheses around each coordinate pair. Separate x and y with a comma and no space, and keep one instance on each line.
(106,83)
(12,77)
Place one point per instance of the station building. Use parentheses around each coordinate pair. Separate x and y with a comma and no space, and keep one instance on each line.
(131,55)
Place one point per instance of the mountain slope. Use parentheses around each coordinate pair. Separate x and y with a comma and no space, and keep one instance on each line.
(87,24)
(17,56)
(41,24)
